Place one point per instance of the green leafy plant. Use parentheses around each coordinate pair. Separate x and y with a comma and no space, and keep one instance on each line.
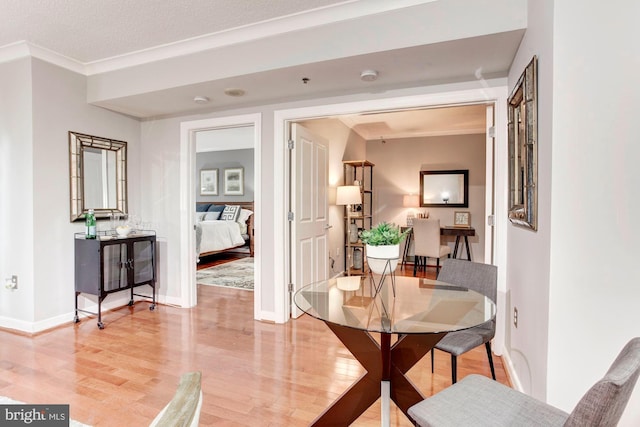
(383,234)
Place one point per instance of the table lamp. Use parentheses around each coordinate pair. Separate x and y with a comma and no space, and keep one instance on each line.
(348,195)
(410,201)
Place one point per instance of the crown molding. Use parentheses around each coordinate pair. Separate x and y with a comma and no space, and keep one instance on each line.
(349,10)
(24,49)
(14,51)
(318,17)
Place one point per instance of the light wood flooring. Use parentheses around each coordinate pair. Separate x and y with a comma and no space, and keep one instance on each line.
(253,373)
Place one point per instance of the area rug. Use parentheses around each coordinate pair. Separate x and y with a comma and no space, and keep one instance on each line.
(235,274)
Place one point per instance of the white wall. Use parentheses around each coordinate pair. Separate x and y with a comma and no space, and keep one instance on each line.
(38,245)
(16,183)
(574,281)
(594,287)
(397,172)
(528,251)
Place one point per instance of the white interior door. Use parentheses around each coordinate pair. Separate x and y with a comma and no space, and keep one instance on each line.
(309,230)
(489,186)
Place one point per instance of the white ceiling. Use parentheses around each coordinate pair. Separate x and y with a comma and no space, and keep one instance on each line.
(149,58)
(93,30)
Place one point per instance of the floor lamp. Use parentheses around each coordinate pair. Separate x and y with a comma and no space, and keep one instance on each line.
(348,195)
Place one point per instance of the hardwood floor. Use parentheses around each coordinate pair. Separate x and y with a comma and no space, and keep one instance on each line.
(221,258)
(253,373)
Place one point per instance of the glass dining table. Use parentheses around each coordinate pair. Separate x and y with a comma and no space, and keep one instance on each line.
(420,312)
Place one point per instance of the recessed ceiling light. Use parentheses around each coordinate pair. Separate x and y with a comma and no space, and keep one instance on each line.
(234,92)
(369,75)
(201,99)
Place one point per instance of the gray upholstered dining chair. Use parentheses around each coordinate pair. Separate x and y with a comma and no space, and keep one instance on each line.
(482,278)
(478,401)
(426,243)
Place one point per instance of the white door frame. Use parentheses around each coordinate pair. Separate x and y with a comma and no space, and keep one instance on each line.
(493,91)
(188,129)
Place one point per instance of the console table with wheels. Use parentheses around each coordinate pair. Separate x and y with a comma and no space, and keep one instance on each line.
(110,263)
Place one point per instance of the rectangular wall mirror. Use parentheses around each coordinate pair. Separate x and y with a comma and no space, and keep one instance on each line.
(97,176)
(447,188)
(523,149)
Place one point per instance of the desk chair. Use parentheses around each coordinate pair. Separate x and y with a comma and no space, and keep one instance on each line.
(478,401)
(426,243)
(482,278)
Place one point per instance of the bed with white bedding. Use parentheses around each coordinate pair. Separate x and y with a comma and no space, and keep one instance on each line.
(223,227)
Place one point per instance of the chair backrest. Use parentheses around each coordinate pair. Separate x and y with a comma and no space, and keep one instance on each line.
(481,278)
(605,402)
(184,408)
(426,237)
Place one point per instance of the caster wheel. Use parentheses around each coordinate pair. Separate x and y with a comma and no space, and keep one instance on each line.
(76,319)
(100,325)
(152,307)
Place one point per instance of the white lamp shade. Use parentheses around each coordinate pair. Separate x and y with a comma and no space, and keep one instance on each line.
(348,195)
(411,201)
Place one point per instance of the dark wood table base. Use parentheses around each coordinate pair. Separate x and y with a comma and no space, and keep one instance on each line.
(382,362)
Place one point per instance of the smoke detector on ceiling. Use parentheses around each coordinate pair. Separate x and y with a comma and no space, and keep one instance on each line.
(369,75)
(201,99)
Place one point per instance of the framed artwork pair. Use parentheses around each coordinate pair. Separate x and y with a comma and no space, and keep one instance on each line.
(233,182)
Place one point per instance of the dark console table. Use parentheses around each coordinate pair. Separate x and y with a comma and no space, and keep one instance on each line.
(110,263)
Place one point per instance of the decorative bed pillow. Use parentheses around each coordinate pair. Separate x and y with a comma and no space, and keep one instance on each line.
(211,216)
(230,213)
(244,215)
(215,208)
(200,216)
(202,207)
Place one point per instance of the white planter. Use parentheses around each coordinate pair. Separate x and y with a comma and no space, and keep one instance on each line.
(378,256)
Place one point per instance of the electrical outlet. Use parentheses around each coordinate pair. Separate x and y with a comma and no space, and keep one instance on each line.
(11,282)
(515,317)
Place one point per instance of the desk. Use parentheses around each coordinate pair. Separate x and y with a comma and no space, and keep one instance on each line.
(446,230)
(465,232)
(421,313)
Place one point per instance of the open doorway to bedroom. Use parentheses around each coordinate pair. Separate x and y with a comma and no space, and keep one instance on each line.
(224,194)
(222,179)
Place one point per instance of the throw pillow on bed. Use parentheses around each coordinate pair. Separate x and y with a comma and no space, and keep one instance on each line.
(230,213)
(212,216)
(244,215)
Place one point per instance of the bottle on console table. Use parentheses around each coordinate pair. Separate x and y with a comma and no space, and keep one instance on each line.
(90,222)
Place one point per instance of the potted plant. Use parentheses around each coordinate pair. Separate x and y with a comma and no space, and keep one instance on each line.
(383,246)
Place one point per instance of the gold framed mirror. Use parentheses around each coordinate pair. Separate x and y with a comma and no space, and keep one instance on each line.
(97,176)
(523,149)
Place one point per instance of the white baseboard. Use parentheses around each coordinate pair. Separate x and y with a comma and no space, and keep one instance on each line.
(508,366)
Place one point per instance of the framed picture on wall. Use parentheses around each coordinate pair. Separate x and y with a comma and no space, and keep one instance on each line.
(209,182)
(234,181)
(461,219)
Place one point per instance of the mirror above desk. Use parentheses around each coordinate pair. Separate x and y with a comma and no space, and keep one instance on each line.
(97,176)
(444,188)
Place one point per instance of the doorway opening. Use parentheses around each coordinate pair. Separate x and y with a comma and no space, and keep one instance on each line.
(227,181)
(329,116)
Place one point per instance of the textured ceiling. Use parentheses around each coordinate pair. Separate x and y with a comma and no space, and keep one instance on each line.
(90,30)
(411,43)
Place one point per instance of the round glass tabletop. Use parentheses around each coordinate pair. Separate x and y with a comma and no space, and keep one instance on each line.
(419,305)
